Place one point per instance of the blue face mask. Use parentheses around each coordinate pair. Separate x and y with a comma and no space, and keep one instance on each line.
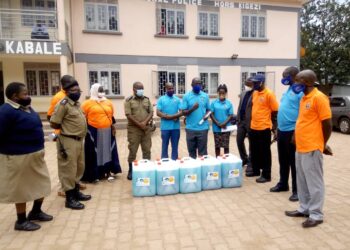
(257,86)
(196,88)
(170,93)
(298,88)
(139,92)
(287,80)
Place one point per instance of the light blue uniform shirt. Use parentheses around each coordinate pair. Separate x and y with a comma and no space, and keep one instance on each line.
(221,111)
(192,121)
(288,110)
(169,106)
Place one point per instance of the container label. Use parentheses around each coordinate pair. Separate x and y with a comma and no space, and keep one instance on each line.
(143,182)
(233,173)
(190,178)
(169,180)
(213,176)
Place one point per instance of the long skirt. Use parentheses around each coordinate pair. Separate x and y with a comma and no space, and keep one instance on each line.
(23,178)
(101,154)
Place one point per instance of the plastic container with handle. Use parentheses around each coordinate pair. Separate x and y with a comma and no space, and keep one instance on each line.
(167,177)
(231,170)
(190,175)
(143,178)
(211,172)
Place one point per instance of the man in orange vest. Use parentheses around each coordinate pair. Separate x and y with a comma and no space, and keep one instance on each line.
(264,114)
(312,131)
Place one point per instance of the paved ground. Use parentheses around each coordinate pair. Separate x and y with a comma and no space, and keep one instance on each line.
(245,218)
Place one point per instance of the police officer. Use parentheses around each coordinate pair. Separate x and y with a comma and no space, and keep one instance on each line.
(70,147)
(139,112)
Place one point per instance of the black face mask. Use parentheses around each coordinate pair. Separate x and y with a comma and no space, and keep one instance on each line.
(74,96)
(25,102)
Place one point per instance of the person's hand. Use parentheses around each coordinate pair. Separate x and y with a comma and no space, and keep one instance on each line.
(274,133)
(143,125)
(222,125)
(114,130)
(327,150)
(292,140)
(195,106)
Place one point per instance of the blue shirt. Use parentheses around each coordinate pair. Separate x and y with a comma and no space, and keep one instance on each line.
(169,106)
(221,110)
(288,110)
(192,120)
(21,132)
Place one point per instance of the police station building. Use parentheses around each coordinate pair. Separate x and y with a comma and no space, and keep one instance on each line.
(118,42)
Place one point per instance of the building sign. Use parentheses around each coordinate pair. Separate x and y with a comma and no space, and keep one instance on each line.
(218,4)
(30,48)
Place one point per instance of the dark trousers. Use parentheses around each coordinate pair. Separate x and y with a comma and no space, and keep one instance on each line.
(172,135)
(261,152)
(197,140)
(242,133)
(286,157)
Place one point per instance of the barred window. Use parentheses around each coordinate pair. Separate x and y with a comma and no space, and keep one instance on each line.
(101,15)
(208,24)
(210,79)
(247,72)
(48,19)
(253,25)
(107,75)
(42,79)
(175,75)
(170,21)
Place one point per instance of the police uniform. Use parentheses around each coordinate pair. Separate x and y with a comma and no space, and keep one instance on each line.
(73,130)
(140,108)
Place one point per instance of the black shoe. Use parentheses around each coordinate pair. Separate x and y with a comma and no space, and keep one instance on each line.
(26,226)
(262,179)
(311,223)
(82,197)
(251,174)
(278,188)
(249,168)
(79,196)
(295,213)
(41,216)
(71,201)
(294,197)
(129,177)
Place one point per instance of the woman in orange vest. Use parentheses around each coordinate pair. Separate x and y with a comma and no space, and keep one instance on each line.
(101,154)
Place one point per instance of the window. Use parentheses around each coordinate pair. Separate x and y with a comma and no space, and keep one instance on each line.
(170,21)
(210,79)
(101,15)
(108,76)
(42,79)
(247,72)
(208,24)
(338,102)
(254,25)
(49,17)
(175,75)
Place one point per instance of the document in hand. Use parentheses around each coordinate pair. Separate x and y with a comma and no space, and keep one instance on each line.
(229,128)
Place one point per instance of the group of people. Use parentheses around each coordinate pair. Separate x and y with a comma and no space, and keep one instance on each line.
(301,125)
(87,149)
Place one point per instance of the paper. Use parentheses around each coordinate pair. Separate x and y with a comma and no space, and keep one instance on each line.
(229,128)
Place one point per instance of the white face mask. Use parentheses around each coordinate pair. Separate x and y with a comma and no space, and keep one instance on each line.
(247,88)
(101,94)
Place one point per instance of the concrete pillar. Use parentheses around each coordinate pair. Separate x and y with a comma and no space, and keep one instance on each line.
(63,65)
(61,21)
(13,71)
